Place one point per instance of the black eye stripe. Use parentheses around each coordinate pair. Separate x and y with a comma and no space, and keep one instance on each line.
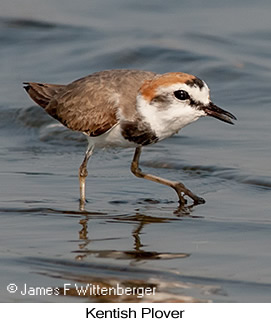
(196,104)
(181,95)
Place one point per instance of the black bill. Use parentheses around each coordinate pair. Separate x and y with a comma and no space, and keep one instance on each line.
(214,111)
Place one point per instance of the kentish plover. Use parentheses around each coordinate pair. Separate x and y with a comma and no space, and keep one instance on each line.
(128,108)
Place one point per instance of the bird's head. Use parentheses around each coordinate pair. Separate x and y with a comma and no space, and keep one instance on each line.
(171,101)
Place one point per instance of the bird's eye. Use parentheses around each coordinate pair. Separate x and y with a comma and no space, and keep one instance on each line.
(181,95)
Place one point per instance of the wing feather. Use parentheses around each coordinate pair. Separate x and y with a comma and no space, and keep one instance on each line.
(92,104)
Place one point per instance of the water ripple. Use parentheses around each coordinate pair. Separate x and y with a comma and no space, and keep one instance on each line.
(170,285)
(27,23)
(233,174)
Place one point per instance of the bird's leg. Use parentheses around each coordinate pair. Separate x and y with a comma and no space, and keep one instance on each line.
(180,189)
(83,173)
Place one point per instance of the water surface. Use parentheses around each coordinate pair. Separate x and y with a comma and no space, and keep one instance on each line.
(133,232)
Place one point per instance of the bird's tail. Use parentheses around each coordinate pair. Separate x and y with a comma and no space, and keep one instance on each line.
(42,93)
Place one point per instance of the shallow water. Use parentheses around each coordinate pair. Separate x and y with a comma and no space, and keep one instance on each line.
(133,233)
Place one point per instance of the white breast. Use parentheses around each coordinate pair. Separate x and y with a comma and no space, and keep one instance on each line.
(111,138)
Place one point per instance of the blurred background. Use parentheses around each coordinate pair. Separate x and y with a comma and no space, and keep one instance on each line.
(133,232)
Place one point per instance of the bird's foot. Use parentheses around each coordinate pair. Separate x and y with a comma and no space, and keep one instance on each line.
(196,199)
(199,200)
(182,191)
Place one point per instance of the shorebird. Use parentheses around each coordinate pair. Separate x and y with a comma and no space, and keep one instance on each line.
(128,108)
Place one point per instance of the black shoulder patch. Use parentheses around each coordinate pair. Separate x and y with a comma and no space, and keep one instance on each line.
(138,132)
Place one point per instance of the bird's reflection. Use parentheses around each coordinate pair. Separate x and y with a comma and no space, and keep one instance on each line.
(112,274)
(137,253)
(186,211)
